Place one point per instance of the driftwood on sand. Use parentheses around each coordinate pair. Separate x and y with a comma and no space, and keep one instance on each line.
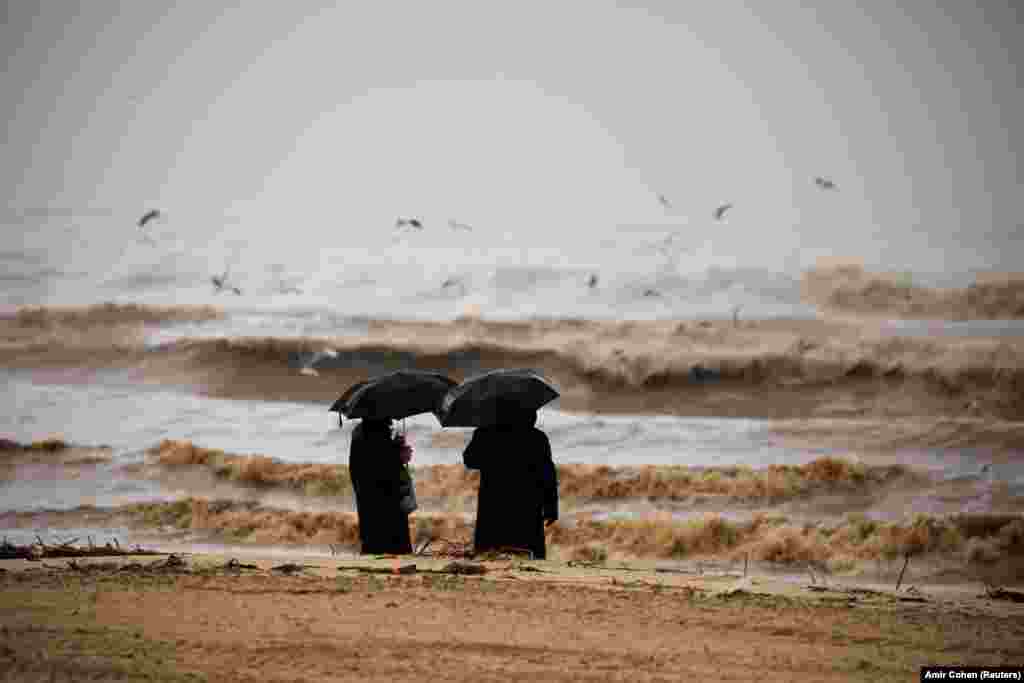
(41,550)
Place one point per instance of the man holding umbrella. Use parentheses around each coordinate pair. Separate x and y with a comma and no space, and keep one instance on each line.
(377,460)
(518,484)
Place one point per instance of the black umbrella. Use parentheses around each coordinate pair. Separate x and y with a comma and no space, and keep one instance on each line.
(485,399)
(394,395)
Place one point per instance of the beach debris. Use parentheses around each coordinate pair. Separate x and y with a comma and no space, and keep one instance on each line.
(464,568)
(150,215)
(450,549)
(738,589)
(41,550)
(666,570)
(825,183)
(994,593)
(292,568)
(720,211)
(172,561)
(233,565)
(822,571)
(403,569)
(906,561)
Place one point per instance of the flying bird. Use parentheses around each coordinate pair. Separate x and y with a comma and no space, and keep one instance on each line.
(664,202)
(411,222)
(824,183)
(150,215)
(307,367)
(220,283)
(592,280)
(455,225)
(720,211)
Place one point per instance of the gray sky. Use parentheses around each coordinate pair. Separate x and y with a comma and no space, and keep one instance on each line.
(542,119)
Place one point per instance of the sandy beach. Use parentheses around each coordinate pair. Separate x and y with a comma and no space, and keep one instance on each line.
(334,620)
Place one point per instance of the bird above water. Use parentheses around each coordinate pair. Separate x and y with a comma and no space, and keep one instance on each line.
(825,183)
(150,215)
(220,284)
(720,211)
(664,201)
(410,222)
(308,368)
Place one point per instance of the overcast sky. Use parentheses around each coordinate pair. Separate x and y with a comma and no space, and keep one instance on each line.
(541,119)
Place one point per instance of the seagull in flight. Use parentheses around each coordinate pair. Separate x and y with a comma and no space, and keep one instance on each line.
(150,215)
(220,284)
(720,211)
(307,367)
(410,222)
(455,225)
(825,183)
(664,201)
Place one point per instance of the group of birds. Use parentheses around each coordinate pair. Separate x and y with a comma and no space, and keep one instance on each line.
(402,223)
(220,282)
(719,212)
(667,246)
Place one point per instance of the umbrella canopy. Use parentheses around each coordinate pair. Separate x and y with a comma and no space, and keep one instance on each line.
(485,399)
(394,395)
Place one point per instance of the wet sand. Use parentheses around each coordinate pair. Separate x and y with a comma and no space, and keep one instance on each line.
(537,620)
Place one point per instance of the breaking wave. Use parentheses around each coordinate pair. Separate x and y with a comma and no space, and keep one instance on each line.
(849,288)
(769,368)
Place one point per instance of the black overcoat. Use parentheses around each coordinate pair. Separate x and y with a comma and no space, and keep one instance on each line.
(375,467)
(518,487)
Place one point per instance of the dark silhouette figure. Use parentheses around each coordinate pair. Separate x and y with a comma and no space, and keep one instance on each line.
(720,211)
(518,484)
(150,215)
(375,466)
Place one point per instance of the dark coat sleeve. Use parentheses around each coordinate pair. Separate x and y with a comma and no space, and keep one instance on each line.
(475,456)
(548,477)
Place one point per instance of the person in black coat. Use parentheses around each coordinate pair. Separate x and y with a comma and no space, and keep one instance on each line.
(518,484)
(375,465)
